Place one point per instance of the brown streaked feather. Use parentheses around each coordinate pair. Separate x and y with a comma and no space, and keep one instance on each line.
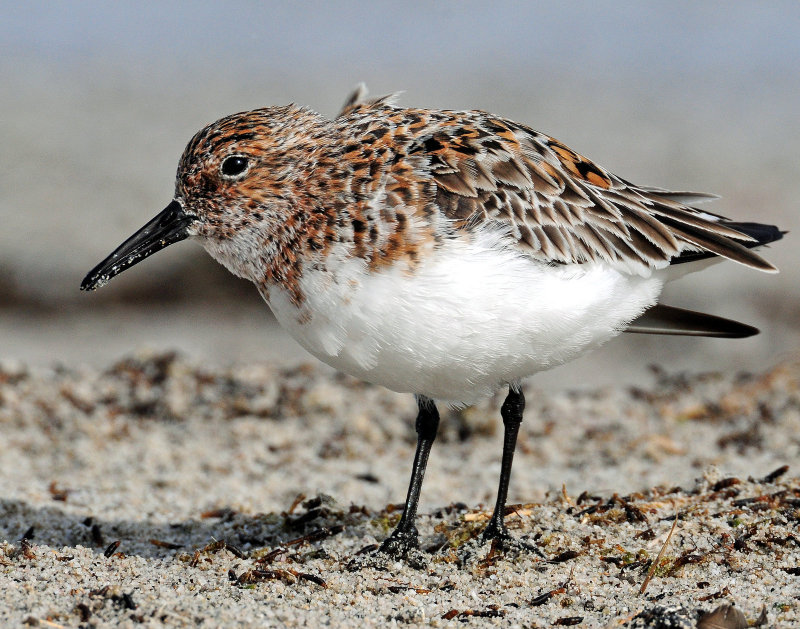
(718,227)
(682,196)
(561,206)
(472,168)
(354,99)
(725,247)
(457,184)
(357,99)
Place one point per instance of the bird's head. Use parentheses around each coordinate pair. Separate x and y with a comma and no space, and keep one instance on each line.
(239,182)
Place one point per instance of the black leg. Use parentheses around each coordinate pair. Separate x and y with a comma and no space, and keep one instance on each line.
(405,536)
(496,530)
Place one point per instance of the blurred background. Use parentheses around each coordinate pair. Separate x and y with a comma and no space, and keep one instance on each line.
(99,99)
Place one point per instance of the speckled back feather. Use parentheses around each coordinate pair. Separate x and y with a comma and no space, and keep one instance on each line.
(560,206)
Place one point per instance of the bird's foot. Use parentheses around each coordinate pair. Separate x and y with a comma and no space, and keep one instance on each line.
(505,543)
(401,545)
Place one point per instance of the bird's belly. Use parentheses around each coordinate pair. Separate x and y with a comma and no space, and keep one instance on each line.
(464,322)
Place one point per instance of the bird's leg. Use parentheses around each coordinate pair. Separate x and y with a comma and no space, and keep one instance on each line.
(405,536)
(496,531)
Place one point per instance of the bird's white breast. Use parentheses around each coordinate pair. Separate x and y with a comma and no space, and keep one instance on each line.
(473,316)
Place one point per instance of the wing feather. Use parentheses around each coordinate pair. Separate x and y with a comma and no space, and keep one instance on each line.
(476,169)
(563,208)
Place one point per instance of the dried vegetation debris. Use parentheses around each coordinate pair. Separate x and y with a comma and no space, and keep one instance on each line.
(662,556)
(728,542)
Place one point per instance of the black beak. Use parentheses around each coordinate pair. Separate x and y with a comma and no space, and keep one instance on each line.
(168,227)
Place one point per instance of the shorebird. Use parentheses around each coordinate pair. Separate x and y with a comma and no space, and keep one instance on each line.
(442,253)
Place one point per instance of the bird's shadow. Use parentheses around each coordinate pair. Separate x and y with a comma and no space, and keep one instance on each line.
(60,528)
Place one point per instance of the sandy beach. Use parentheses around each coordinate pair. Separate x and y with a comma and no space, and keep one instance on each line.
(180,494)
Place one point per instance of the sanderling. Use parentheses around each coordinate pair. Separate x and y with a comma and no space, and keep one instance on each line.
(441,253)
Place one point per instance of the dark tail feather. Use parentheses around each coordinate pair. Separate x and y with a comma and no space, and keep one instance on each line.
(662,319)
(762,235)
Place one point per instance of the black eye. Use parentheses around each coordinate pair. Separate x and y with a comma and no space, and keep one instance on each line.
(234,165)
